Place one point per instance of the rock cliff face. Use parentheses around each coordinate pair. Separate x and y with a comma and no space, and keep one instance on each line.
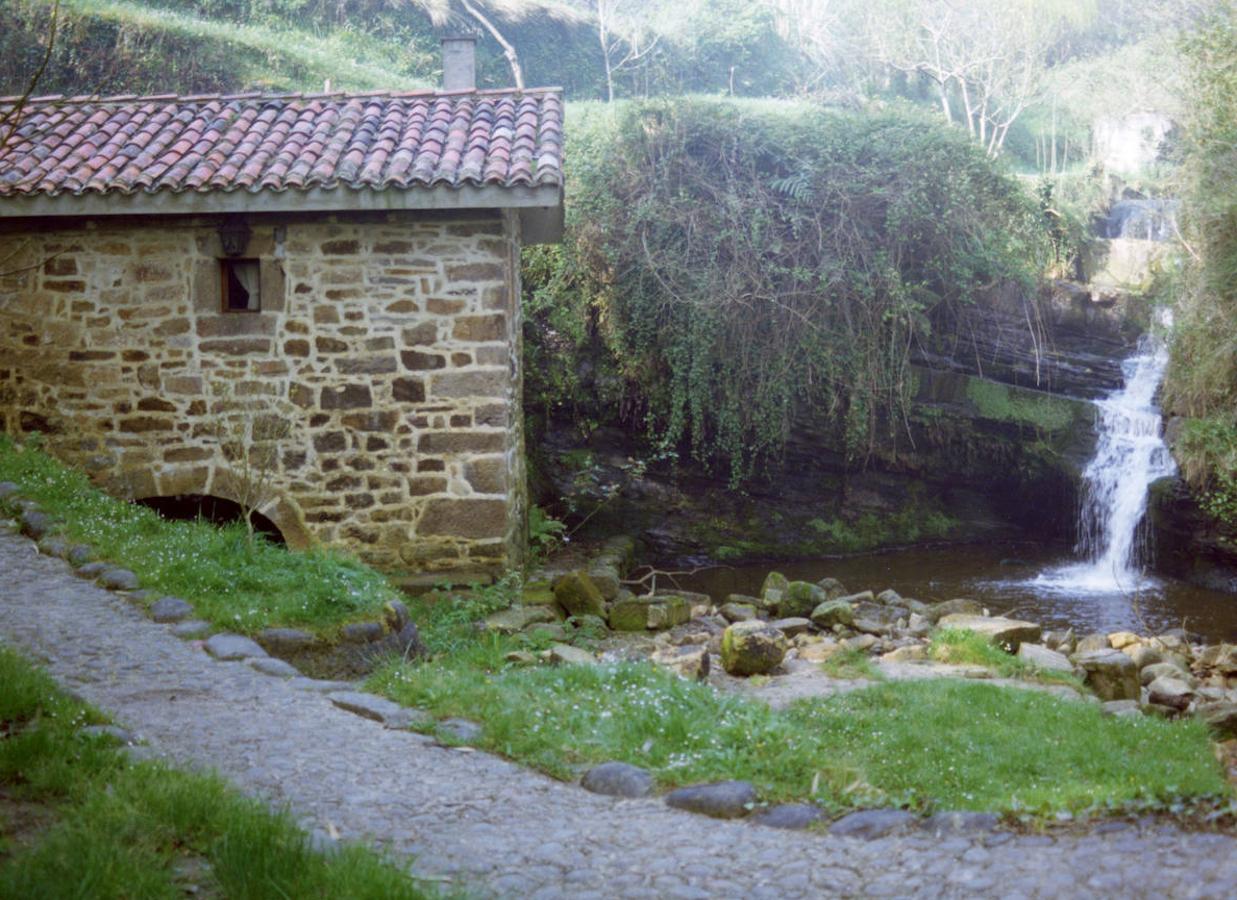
(1185,542)
(999,432)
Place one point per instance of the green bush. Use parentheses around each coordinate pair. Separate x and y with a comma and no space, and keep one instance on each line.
(740,261)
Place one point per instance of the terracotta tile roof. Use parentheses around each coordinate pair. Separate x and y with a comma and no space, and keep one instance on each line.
(251,142)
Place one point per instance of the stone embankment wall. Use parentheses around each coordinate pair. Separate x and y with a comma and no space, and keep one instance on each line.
(382,371)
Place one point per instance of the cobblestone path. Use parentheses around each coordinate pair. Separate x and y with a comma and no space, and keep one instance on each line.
(504,831)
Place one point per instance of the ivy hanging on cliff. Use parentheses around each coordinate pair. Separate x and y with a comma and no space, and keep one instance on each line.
(739,262)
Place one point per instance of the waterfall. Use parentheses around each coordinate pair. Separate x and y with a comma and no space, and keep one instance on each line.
(1129,456)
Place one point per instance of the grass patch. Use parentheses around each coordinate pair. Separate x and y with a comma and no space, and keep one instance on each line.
(110,828)
(851,663)
(234,583)
(290,59)
(962,647)
(940,744)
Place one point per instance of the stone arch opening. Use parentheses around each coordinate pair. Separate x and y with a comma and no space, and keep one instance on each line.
(208,508)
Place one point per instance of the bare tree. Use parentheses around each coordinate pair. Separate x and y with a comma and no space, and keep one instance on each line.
(487,13)
(623,31)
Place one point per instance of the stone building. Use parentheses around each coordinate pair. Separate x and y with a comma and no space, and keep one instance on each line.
(324,285)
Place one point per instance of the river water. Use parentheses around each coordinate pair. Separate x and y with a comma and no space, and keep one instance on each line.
(1004,578)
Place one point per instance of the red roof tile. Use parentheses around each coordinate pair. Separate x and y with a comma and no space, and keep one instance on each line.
(376,141)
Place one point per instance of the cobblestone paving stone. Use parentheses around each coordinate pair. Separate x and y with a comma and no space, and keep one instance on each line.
(501,830)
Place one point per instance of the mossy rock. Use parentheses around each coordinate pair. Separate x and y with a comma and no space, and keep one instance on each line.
(579,596)
(774,582)
(538,596)
(752,648)
(833,612)
(832,587)
(799,599)
(649,613)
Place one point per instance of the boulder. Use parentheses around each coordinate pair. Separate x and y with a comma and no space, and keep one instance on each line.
(1007,633)
(35,524)
(833,612)
(284,640)
(798,599)
(1061,641)
(1043,658)
(517,618)
(1110,674)
(775,582)
(889,597)
(1165,670)
(1091,643)
(793,626)
(861,642)
(576,593)
(119,580)
(632,613)
(737,612)
(1143,655)
(1173,693)
(913,653)
(617,779)
(1122,709)
(691,663)
(721,800)
(958,606)
(538,596)
(1221,718)
(745,600)
(752,648)
(1119,640)
(606,579)
(861,597)
(868,626)
(565,654)
(832,588)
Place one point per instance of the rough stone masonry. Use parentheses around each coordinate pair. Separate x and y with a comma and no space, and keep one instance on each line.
(382,371)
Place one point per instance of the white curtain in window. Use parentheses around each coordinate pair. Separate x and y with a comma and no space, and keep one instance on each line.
(249,275)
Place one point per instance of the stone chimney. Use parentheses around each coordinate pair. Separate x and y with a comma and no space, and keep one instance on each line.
(459,63)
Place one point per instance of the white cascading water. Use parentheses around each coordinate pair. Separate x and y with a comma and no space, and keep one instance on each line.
(1130,455)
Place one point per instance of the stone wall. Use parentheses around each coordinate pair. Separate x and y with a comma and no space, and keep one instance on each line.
(384,363)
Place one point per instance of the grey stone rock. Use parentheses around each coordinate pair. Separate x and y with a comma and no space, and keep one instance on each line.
(1163,670)
(79,555)
(1125,709)
(232,646)
(321,685)
(1221,718)
(460,731)
(565,654)
(284,640)
(1091,643)
(720,800)
(870,626)
(191,629)
(889,597)
(833,612)
(793,626)
(277,668)
(1174,693)
(959,605)
(396,613)
(119,580)
(618,779)
(870,824)
(170,609)
(518,618)
(362,632)
(691,663)
(9,490)
(791,816)
(54,546)
(960,822)
(606,578)
(1043,658)
(369,706)
(1110,674)
(36,524)
(92,570)
(1007,633)
(113,734)
(738,612)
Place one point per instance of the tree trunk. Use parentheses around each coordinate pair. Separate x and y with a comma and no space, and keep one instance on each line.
(513,58)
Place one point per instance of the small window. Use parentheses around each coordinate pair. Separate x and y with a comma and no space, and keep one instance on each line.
(241,279)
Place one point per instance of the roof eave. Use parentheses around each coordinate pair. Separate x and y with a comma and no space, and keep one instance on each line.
(540,206)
